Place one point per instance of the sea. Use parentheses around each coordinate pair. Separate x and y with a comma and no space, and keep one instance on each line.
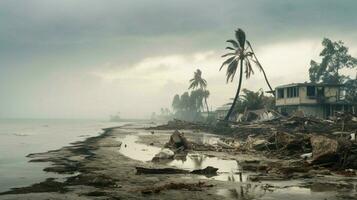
(20,137)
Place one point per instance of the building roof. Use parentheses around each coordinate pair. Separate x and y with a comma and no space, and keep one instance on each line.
(308,84)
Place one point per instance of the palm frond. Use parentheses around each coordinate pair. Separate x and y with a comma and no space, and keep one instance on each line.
(228,54)
(230,48)
(240,36)
(249,70)
(228,61)
(192,85)
(234,43)
(231,70)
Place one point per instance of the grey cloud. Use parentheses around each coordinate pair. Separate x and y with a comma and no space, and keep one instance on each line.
(42,37)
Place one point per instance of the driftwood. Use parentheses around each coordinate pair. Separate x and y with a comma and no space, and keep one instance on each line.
(206,171)
(176,186)
(143,170)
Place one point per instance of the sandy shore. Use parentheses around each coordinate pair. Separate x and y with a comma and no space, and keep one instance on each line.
(96,170)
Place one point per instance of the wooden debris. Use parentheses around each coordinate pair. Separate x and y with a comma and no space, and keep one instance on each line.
(176,186)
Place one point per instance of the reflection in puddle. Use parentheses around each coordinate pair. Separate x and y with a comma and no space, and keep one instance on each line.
(227,169)
(247,191)
(136,151)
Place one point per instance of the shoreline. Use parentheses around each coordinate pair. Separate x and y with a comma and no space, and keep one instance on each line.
(95,168)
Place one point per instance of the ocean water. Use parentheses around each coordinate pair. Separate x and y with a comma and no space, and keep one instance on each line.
(19,138)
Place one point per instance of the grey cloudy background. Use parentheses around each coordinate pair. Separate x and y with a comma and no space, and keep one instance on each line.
(93,58)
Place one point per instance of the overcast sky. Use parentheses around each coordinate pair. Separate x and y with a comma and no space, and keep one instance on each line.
(93,58)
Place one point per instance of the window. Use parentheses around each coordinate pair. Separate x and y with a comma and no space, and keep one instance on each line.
(292,92)
(320,91)
(281,93)
(310,91)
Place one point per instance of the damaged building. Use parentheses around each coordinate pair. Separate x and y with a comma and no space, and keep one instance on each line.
(312,99)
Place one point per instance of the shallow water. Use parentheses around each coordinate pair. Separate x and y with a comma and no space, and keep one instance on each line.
(19,138)
(227,169)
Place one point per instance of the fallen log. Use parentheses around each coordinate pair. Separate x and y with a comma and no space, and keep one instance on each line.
(143,170)
(206,171)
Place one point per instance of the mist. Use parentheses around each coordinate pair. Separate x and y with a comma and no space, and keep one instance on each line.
(90,59)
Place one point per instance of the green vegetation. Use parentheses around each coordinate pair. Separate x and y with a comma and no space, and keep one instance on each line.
(251,100)
(242,54)
(335,57)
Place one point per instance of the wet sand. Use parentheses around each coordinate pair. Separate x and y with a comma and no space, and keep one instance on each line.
(103,168)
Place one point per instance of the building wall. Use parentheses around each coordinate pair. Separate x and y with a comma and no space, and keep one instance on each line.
(312,110)
(287,101)
(331,95)
(304,99)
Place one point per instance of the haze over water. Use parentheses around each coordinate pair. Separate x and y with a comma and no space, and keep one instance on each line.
(20,137)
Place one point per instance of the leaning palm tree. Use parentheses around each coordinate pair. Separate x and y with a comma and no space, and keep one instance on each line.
(242,55)
(198,81)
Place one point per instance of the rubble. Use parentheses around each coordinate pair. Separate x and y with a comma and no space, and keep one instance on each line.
(177,124)
(178,142)
(324,149)
(320,143)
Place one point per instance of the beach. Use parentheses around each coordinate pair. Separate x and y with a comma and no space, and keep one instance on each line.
(104,167)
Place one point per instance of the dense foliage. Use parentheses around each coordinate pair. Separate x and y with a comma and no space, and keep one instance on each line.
(251,100)
(335,57)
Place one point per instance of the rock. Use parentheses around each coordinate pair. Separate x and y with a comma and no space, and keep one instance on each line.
(164,154)
(324,149)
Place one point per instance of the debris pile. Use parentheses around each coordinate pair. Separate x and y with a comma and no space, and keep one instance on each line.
(178,142)
(180,124)
(322,143)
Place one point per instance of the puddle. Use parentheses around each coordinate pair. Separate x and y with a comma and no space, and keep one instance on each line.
(227,169)
(136,151)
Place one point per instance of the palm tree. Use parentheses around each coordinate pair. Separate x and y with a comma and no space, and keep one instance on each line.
(198,81)
(241,56)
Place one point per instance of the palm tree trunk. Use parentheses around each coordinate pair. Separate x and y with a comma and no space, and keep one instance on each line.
(237,94)
(266,80)
(207,106)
